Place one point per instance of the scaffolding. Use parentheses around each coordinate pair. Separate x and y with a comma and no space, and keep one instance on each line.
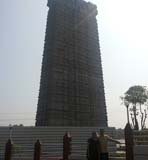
(71,87)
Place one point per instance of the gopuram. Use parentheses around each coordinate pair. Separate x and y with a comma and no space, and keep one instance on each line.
(71,87)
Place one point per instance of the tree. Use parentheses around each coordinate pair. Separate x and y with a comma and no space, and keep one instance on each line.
(136,100)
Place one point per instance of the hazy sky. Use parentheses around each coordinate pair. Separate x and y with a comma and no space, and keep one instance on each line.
(123,32)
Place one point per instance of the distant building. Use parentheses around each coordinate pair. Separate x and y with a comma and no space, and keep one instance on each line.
(71,87)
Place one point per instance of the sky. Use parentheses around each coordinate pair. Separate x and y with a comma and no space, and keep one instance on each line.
(123,41)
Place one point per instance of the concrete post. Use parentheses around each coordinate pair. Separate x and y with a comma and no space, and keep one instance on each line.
(8,150)
(129,142)
(67,146)
(37,150)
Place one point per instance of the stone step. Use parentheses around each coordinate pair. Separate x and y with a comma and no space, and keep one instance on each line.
(51,139)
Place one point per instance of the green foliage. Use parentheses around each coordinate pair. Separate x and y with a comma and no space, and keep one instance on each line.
(136,100)
(136,94)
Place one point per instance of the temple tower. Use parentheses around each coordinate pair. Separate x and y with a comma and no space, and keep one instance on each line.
(71,88)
